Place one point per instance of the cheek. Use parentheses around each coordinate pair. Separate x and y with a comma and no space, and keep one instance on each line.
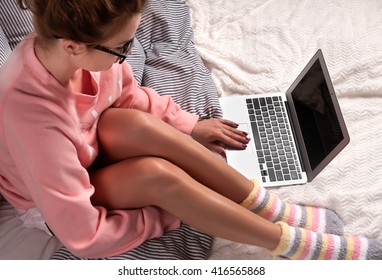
(99,63)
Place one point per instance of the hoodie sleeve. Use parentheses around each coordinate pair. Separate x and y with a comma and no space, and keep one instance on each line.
(148,100)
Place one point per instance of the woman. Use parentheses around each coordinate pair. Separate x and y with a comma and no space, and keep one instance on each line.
(107,165)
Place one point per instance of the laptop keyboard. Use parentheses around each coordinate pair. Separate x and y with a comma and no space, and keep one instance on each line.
(275,148)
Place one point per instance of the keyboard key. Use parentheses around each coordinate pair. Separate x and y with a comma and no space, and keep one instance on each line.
(272,175)
(294,175)
(256,138)
(256,103)
(279,176)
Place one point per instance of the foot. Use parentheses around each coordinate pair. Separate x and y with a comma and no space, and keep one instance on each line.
(270,207)
(301,244)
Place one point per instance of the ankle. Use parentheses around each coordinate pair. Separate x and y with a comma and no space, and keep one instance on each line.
(277,237)
(284,239)
(252,195)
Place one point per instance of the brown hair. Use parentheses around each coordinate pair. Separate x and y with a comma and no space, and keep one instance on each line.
(86,21)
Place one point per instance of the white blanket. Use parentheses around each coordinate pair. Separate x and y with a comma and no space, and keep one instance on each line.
(261,46)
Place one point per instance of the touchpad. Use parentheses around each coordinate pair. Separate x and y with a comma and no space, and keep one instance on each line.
(244,161)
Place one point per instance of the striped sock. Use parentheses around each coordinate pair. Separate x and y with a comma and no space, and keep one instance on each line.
(301,244)
(270,207)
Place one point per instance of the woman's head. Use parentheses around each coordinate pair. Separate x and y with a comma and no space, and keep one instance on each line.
(86,21)
(93,34)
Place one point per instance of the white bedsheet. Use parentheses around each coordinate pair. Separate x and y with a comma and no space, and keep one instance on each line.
(262,45)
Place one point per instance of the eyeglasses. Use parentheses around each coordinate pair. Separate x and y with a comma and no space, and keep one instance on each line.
(120,52)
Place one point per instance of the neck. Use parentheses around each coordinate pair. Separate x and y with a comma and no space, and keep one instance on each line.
(59,67)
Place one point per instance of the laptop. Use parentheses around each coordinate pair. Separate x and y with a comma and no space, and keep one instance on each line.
(294,135)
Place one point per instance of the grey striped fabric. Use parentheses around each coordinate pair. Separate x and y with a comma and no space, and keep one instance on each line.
(14,26)
(164,58)
(16,23)
(5,49)
(172,64)
(184,243)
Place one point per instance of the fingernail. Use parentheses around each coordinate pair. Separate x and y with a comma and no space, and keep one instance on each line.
(244,146)
(245,133)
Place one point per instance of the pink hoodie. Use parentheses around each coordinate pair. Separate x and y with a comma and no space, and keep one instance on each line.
(48,140)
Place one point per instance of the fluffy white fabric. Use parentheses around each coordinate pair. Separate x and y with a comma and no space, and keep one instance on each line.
(254,46)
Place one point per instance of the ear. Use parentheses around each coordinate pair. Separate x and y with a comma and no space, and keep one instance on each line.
(73,48)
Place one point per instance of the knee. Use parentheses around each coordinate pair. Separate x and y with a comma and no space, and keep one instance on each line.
(116,126)
(119,120)
(163,179)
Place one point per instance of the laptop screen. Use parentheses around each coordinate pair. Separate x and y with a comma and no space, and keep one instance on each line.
(320,122)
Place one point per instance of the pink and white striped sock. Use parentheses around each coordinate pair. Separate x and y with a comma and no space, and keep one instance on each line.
(301,244)
(270,207)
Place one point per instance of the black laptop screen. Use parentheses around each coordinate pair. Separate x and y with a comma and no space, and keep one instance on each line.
(320,127)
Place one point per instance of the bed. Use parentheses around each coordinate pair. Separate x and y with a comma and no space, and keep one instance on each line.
(261,46)
(247,47)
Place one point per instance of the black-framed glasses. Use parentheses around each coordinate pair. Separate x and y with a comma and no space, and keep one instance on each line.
(121,52)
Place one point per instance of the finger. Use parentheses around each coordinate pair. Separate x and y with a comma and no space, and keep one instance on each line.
(229,123)
(218,148)
(233,143)
(230,137)
(237,135)
(236,131)
(231,126)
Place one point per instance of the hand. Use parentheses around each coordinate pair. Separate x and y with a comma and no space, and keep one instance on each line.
(219,134)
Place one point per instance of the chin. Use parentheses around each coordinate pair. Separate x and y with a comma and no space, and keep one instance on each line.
(100,68)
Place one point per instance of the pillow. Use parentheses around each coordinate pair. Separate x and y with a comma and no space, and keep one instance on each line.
(16,23)
(5,49)
(136,59)
(172,64)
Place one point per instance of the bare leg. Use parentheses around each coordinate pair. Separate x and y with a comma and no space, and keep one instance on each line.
(130,133)
(153,164)
(143,181)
